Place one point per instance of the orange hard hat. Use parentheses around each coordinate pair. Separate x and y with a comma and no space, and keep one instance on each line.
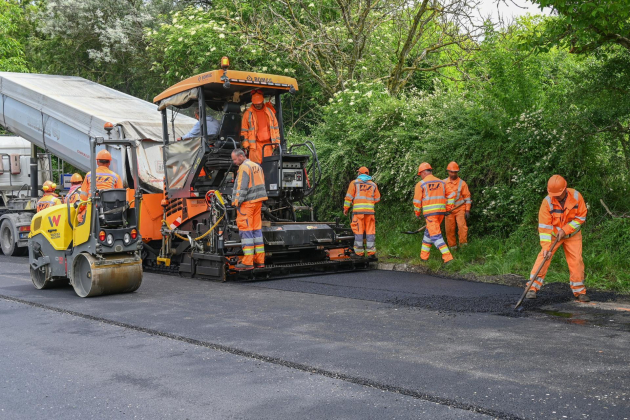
(257,97)
(103,155)
(423,167)
(49,186)
(453,167)
(556,186)
(363,170)
(76,178)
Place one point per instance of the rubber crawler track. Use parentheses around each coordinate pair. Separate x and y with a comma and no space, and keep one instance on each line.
(276,361)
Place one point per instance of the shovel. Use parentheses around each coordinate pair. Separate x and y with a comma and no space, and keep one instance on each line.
(413,232)
(531,282)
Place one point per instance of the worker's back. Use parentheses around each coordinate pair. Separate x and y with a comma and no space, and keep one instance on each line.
(47,200)
(105,180)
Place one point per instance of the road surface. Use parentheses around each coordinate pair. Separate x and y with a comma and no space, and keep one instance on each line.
(366,345)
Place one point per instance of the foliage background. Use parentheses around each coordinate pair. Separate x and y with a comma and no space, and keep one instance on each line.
(512,105)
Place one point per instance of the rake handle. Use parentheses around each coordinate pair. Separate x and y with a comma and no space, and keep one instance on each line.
(531,282)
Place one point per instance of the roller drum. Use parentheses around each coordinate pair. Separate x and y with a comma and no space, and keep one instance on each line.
(106,276)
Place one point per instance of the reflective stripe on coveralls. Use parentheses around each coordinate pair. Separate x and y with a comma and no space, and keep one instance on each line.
(362,195)
(249,129)
(47,200)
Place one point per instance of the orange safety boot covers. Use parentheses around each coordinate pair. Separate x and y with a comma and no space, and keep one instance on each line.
(430,200)
(457,193)
(249,193)
(362,194)
(551,218)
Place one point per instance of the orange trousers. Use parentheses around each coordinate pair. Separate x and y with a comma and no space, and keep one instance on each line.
(573,253)
(364,224)
(433,236)
(458,217)
(256,155)
(249,224)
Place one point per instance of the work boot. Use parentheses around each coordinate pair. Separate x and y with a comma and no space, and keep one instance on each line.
(531,294)
(449,262)
(452,247)
(356,256)
(259,265)
(243,267)
(583,298)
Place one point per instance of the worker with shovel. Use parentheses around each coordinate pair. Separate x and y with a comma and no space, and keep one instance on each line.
(561,216)
(362,194)
(430,200)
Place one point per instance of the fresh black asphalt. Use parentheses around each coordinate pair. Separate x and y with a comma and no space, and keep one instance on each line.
(371,344)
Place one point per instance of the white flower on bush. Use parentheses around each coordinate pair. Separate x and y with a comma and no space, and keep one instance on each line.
(221,35)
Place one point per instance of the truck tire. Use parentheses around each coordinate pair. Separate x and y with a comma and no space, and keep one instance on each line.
(7,240)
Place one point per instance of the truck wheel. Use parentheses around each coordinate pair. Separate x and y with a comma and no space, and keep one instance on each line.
(7,240)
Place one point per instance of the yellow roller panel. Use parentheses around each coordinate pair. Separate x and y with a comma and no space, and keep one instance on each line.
(53,224)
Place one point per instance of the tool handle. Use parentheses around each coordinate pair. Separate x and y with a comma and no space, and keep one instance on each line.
(531,282)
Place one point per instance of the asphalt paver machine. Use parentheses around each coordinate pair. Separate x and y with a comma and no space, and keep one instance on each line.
(199,233)
(95,244)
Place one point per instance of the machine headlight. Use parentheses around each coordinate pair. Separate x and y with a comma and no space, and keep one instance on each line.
(127,239)
(110,239)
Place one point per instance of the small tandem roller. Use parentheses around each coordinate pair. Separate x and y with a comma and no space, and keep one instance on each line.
(101,254)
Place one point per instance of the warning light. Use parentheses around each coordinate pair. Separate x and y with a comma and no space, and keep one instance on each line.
(101,236)
(225,63)
(108,127)
(134,234)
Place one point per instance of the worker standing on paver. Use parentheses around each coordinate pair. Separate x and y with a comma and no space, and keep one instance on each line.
(75,190)
(430,200)
(259,126)
(49,198)
(248,194)
(362,195)
(561,215)
(458,196)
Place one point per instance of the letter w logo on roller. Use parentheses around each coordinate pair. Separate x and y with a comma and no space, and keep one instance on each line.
(54,220)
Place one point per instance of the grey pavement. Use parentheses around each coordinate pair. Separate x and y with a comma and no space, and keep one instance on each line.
(334,346)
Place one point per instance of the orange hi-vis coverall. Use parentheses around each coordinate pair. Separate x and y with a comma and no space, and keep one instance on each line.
(73,195)
(105,180)
(48,200)
(430,200)
(457,194)
(551,218)
(256,133)
(248,194)
(362,195)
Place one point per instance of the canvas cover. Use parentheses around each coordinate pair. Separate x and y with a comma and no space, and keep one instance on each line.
(78,109)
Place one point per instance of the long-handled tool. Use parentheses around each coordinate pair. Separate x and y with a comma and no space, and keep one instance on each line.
(531,282)
(413,232)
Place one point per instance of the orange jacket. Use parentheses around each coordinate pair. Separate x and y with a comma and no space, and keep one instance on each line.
(105,180)
(249,127)
(48,200)
(552,217)
(362,195)
(430,197)
(73,195)
(457,193)
(249,184)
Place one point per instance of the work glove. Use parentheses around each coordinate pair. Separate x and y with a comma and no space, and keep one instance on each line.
(467,215)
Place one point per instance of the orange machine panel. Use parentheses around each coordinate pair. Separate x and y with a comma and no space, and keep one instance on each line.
(150,215)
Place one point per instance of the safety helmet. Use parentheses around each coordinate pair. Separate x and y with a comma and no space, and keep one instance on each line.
(104,155)
(556,186)
(49,186)
(423,167)
(257,97)
(363,170)
(76,179)
(453,167)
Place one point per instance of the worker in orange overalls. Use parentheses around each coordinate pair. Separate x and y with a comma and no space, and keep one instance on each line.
(248,194)
(562,214)
(362,195)
(430,200)
(106,179)
(458,196)
(75,190)
(259,126)
(49,198)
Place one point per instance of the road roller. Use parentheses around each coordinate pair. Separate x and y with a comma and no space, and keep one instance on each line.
(93,244)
